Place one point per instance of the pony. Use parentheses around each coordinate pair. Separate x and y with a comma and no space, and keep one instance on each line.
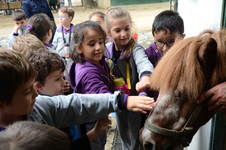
(188,69)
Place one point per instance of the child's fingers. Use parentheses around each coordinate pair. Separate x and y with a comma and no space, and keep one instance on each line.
(142,85)
(140,103)
(139,110)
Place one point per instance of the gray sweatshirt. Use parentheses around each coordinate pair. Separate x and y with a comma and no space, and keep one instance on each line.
(65,111)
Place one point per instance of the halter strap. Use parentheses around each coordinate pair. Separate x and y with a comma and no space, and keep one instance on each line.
(173,133)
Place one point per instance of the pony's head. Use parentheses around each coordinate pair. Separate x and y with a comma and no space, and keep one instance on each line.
(189,68)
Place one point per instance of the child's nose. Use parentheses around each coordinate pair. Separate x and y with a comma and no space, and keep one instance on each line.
(35,93)
(98,46)
(165,48)
(123,33)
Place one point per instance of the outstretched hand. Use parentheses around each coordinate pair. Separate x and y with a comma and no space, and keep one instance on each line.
(215,98)
(144,83)
(140,104)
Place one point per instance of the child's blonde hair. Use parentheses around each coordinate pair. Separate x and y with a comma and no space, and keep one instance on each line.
(67,10)
(27,42)
(28,135)
(119,13)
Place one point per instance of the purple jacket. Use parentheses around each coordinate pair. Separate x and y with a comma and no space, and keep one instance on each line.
(153,54)
(90,78)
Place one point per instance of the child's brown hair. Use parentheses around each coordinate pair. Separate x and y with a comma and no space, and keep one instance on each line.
(45,62)
(80,32)
(29,135)
(18,15)
(39,25)
(15,69)
(67,10)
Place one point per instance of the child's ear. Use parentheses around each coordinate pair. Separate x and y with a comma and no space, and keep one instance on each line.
(70,18)
(49,32)
(108,32)
(38,86)
(78,49)
(26,19)
(183,36)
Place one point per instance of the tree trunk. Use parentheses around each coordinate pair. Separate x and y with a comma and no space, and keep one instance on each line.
(88,3)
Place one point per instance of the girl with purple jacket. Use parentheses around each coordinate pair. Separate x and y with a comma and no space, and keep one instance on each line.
(90,73)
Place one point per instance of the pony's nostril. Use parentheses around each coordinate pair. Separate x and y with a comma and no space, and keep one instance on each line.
(148,145)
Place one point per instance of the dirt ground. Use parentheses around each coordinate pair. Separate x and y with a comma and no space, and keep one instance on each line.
(142,15)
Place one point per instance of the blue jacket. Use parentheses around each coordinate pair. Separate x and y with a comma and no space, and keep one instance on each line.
(31,7)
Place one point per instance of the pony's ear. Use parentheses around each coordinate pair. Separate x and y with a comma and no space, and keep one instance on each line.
(208,52)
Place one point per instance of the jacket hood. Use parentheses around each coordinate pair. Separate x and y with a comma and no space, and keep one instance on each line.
(77,71)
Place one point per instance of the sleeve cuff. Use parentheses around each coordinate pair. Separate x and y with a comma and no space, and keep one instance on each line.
(122,101)
(146,73)
(15,34)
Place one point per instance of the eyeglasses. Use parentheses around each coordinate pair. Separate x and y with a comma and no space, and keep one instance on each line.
(161,44)
(62,17)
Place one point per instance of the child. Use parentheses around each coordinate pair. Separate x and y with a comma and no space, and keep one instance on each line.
(20,22)
(49,81)
(19,101)
(27,42)
(40,26)
(89,73)
(34,136)
(167,26)
(98,17)
(63,40)
(131,63)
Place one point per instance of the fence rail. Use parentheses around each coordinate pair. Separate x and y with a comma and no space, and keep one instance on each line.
(10,5)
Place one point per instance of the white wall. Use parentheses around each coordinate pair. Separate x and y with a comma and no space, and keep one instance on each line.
(200,14)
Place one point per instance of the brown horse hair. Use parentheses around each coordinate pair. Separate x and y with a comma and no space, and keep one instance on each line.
(179,69)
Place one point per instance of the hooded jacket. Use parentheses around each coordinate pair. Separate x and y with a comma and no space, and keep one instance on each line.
(90,78)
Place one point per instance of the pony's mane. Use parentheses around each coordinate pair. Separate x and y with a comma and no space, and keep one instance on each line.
(179,69)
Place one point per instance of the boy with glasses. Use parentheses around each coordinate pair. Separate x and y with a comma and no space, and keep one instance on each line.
(166,28)
(63,41)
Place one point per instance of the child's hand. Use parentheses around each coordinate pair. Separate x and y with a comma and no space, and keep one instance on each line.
(140,104)
(144,83)
(67,87)
(101,125)
(16,28)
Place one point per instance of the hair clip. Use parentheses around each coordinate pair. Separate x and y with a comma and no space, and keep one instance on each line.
(110,11)
(29,27)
